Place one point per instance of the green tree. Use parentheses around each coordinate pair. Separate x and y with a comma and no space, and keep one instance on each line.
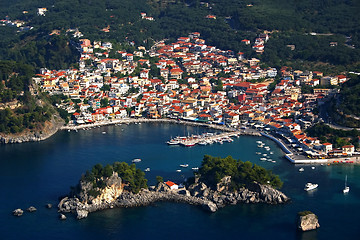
(159,179)
(104,102)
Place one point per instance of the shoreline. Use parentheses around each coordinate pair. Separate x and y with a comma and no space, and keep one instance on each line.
(290,156)
(50,128)
(164,120)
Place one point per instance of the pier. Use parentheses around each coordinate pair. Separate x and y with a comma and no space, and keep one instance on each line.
(204,139)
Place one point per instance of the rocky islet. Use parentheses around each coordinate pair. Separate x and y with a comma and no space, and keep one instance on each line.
(198,194)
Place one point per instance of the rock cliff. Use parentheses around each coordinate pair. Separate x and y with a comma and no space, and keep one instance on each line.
(49,129)
(198,193)
(85,201)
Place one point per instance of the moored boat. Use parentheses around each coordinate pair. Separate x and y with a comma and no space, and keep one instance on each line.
(136,160)
(310,186)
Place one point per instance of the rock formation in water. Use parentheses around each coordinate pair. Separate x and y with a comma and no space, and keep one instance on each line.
(18,212)
(31,209)
(114,195)
(307,221)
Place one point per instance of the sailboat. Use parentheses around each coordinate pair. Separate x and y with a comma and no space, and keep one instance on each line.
(346,189)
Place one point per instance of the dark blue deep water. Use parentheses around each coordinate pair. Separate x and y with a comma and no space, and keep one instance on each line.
(39,173)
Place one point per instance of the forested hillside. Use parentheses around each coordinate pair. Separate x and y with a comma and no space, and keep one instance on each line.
(19,109)
(345,110)
(290,21)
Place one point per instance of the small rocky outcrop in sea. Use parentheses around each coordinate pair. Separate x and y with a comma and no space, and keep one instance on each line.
(307,221)
(18,212)
(62,216)
(198,193)
(31,209)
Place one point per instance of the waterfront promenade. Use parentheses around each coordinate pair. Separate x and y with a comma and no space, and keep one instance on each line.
(298,158)
(72,127)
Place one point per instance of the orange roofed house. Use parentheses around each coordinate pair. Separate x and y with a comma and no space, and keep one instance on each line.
(172,185)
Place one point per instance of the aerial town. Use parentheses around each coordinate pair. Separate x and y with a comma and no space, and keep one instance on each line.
(192,81)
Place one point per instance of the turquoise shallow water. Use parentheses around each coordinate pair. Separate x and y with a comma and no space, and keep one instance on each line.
(38,173)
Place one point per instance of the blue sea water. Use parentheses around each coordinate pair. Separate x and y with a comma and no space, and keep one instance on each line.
(39,173)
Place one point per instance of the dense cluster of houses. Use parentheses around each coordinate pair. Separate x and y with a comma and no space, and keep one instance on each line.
(190,80)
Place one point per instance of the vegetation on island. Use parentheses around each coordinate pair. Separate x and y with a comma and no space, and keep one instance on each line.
(134,179)
(213,169)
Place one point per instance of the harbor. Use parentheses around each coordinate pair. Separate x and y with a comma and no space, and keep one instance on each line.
(203,139)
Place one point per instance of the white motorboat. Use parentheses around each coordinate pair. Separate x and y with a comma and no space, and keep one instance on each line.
(172,142)
(147,170)
(310,186)
(301,169)
(136,160)
(179,170)
(195,168)
(263,159)
(184,165)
